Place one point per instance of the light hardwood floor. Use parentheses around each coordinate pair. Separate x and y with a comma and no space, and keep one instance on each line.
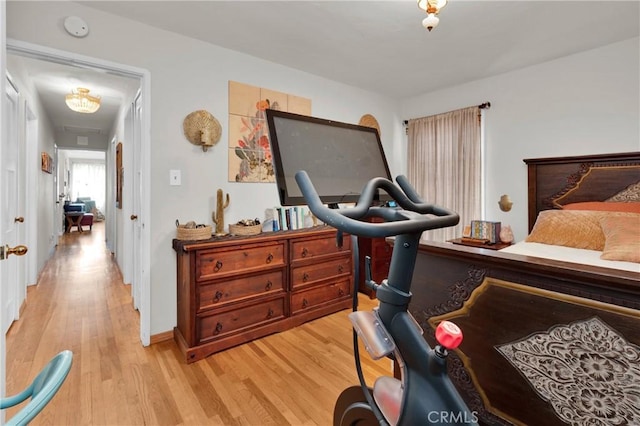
(80,303)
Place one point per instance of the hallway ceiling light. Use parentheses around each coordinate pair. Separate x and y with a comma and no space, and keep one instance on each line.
(81,101)
(432,7)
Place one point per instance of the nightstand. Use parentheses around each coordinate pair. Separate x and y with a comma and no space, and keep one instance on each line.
(496,246)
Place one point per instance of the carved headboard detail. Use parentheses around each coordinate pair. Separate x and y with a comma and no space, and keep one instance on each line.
(554,182)
(594,183)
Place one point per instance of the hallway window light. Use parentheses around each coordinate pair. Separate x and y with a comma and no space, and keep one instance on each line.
(81,101)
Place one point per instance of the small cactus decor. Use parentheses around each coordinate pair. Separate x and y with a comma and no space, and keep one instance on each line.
(218,215)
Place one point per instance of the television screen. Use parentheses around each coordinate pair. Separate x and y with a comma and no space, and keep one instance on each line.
(340,158)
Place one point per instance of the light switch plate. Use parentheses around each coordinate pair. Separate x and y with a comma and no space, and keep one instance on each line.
(175,178)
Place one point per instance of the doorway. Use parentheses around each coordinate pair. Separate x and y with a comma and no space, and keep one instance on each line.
(84,174)
(140,166)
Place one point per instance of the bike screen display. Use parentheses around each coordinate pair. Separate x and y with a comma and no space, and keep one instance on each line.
(340,158)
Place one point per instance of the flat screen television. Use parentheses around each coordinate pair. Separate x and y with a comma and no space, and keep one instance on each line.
(340,158)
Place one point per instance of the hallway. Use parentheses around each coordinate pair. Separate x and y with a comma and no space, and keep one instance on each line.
(81,304)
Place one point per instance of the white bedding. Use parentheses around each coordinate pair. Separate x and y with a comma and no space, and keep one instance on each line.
(569,254)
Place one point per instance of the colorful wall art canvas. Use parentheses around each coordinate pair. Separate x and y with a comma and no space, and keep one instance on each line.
(249,148)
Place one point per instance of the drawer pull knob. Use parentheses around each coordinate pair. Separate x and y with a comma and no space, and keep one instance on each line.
(218,296)
(305,277)
(218,328)
(269,258)
(340,268)
(305,303)
(268,286)
(340,292)
(305,252)
(218,266)
(270,313)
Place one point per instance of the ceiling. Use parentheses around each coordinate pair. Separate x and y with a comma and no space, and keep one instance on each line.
(54,80)
(379,46)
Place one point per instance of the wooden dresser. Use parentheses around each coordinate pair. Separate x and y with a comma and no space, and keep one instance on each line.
(231,290)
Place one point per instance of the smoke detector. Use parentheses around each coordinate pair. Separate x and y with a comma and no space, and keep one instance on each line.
(76,26)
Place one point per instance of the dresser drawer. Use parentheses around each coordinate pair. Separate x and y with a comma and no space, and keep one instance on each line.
(220,324)
(308,299)
(219,263)
(313,248)
(234,289)
(315,272)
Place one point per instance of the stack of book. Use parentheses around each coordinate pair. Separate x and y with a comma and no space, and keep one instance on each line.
(289,218)
(483,231)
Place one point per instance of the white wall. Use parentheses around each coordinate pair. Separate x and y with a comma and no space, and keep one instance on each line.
(587,103)
(70,140)
(187,75)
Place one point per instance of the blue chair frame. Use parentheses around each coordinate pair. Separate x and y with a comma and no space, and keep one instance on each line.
(41,389)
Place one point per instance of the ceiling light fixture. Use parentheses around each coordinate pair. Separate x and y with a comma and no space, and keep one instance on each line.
(432,7)
(81,101)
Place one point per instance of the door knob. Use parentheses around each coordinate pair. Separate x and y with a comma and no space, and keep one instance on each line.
(134,217)
(19,219)
(5,251)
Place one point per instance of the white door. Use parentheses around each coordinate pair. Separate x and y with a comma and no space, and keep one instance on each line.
(3,65)
(30,193)
(10,233)
(137,197)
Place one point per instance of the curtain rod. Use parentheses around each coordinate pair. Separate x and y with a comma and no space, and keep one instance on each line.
(485,105)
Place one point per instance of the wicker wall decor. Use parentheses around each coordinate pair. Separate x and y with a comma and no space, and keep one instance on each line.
(369,120)
(202,128)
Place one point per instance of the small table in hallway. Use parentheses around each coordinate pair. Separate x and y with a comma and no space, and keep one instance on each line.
(74,219)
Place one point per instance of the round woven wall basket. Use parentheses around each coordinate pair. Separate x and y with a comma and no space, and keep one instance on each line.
(193,234)
(245,230)
(202,128)
(369,120)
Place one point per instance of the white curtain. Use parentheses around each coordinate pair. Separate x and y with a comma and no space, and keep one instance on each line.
(444,165)
(88,179)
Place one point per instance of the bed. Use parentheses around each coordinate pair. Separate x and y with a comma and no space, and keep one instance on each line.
(548,339)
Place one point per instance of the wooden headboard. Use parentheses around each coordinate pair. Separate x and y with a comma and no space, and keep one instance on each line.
(556,181)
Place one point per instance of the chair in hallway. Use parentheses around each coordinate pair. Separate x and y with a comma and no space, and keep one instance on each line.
(41,390)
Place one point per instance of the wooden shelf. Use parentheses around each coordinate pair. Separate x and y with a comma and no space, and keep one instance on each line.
(496,246)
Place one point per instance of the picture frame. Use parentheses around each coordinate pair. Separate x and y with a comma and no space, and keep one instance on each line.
(119,175)
(46,163)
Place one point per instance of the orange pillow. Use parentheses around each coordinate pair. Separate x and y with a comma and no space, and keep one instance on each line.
(570,228)
(603,206)
(622,238)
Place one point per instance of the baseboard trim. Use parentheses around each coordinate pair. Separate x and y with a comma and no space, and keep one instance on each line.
(161,337)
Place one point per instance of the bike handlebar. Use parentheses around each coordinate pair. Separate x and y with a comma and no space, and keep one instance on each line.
(415,215)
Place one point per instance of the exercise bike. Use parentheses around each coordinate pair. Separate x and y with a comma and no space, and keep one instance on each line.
(424,395)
